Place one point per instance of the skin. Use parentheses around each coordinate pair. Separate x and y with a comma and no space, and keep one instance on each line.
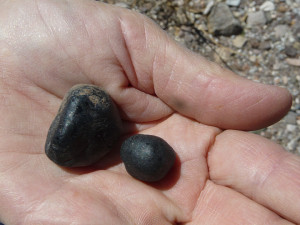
(223,175)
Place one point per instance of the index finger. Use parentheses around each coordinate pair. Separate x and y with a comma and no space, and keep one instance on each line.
(194,86)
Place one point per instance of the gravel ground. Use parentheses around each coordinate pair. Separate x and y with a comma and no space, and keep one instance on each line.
(262,43)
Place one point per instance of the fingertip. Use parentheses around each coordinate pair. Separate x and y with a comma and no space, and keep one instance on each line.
(273,106)
(284,101)
(246,104)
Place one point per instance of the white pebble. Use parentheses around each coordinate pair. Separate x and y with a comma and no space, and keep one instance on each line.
(291,128)
(208,7)
(233,2)
(267,6)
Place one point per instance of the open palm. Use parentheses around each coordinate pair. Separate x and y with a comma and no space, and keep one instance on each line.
(220,177)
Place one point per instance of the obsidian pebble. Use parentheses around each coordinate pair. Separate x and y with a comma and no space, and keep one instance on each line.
(85,128)
(147,157)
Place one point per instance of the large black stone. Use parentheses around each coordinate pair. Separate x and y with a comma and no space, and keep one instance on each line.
(85,129)
(147,157)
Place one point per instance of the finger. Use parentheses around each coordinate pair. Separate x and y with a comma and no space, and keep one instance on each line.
(194,86)
(221,205)
(259,169)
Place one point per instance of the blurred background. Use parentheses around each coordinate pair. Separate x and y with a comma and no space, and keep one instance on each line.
(259,40)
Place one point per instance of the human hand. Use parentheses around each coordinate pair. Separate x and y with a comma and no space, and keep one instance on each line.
(222,176)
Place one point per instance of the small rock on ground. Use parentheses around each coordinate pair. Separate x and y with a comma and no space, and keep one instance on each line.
(281,30)
(233,2)
(267,6)
(290,51)
(222,22)
(290,118)
(239,41)
(256,19)
(208,7)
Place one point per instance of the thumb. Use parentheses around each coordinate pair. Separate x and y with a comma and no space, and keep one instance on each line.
(194,86)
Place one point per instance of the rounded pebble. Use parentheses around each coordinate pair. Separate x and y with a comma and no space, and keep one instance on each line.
(147,157)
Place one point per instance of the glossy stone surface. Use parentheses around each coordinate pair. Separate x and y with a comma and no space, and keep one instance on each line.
(85,129)
(147,157)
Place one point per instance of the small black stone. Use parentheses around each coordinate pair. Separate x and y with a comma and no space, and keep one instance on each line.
(290,51)
(85,129)
(147,157)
